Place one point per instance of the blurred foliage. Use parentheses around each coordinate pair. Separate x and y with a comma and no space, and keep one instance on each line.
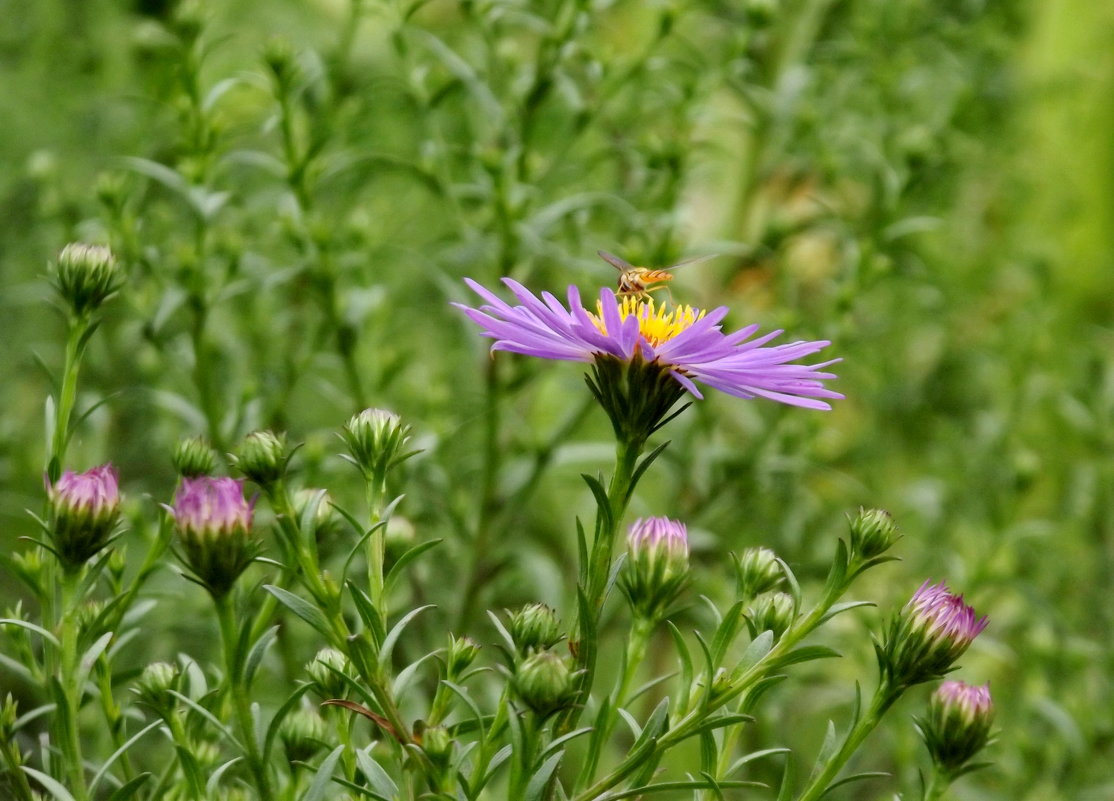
(296,190)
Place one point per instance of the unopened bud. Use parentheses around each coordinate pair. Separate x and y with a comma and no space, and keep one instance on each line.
(302,733)
(154,686)
(873,532)
(958,724)
(84,510)
(438,745)
(194,457)
(757,570)
(460,655)
(657,565)
(774,612)
(544,683)
(534,627)
(375,439)
(86,276)
(328,669)
(927,636)
(262,457)
(214,522)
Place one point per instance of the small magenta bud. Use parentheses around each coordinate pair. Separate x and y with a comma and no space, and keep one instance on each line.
(154,686)
(657,565)
(328,669)
(757,570)
(544,683)
(214,525)
(534,627)
(873,532)
(193,457)
(460,655)
(84,510)
(775,612)
(302,733)
(958,724)
(927,636)
(86,276)
(262,457)
(375,438)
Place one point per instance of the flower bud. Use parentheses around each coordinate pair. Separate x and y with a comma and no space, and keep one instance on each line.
(86,276)
(9,714)
(657,565)
(214,525)
(544,683)
(757,570)
(873,531)
(775,612)
(154,686)
(194,457)
(84,510)
(438,745)
(262,457)
(534,627)
(927,636)
(326,521)
(327,669)
(958,724)
(302,733)
(460,655)
(375,438)
(278,55)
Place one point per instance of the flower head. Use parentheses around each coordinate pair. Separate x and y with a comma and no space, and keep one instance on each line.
(534,627)
(262,457)
(214,520)
(687,343)
(958,724)
(657,566)
(757,570)
(928,635)
(86,276)
(544,682)
(85,508)
(375,439)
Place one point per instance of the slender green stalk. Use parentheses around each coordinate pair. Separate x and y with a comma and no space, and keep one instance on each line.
(67,395)
(69,734)
(239,696)
(883,699)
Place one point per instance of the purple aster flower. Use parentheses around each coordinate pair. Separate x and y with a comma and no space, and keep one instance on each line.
(958,724)
(689,343)
(928,635)
(214,521)
(657,566)
(85,508)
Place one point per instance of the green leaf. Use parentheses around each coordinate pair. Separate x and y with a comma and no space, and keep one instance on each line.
(535,788)
(324,775)
(396,631)
(52,785)
(808,653)
(644,465)
(406,675)
(667,787)
(366,610)
(843,607)
(685,658)
(858,777)
(23,624)
(400,564)
(300,607)
(120,752)
(214,779)
(755,652)
(255,655)
(751,757)
(378,778)
(128,790)
(280,714)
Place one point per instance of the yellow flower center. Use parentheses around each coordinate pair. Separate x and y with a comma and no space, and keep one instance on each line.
(655,323)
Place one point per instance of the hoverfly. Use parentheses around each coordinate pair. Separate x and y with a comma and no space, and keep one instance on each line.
(641,281)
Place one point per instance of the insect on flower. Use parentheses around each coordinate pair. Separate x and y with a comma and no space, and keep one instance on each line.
(641,281)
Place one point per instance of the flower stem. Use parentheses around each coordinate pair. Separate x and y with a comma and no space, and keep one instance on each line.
(69,737)
(67,396)
(238,691)
(884,697)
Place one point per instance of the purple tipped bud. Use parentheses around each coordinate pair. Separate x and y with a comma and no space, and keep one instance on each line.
(85,508)
(657,565)
(928,635)
(958,724)
(214,525)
